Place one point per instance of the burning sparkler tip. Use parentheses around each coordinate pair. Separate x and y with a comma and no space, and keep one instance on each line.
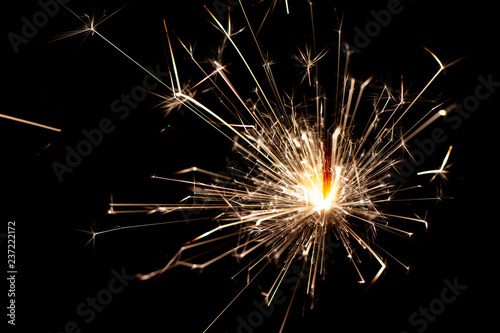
(303,181)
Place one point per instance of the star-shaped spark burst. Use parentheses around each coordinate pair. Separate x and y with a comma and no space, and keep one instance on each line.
(302,178)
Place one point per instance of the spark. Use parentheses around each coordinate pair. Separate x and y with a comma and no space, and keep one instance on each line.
(303,177)
(30,123)
(90,24)
(305,60)
(441,171)
(297,191)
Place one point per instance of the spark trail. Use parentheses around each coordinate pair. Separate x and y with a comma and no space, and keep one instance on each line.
(32,123)
(303,179)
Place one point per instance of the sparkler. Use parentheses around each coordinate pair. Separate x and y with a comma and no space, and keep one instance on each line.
(304,178)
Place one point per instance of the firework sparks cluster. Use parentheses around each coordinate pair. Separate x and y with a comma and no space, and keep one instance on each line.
(312,166)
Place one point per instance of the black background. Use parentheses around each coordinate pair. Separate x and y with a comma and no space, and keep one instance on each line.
(71,84)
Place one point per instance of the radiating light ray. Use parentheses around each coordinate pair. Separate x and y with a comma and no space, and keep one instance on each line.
(90,26)
(441,171)
(90,23)
(32,123)
(303,179)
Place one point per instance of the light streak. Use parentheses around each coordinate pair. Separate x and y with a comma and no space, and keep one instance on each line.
(30,123)
(303,178)
(441,171)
